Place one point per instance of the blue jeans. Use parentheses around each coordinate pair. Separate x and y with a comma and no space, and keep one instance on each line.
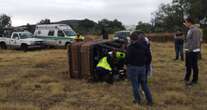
(137,76)
(179,51)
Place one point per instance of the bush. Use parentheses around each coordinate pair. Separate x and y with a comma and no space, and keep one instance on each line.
(160,37)
(205,34)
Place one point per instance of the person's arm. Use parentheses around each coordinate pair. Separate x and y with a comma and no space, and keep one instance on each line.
(175,37)
(201,35)
(189,34)
(110,61)
(128,55)
(180,37)
(191,40)
(148,55)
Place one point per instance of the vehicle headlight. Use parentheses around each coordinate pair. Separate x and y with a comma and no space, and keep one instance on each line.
(115,38)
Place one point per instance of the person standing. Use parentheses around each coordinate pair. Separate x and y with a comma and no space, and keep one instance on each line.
(137,58)
(192,49)
(179,42)
(104,34)
(78,38)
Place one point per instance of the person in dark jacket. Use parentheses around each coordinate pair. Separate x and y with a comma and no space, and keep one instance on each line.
(138,56)
(179,42)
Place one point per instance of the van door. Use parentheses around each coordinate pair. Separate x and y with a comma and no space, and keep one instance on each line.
(51,37)
(15,40)
(60,33)
(60,41)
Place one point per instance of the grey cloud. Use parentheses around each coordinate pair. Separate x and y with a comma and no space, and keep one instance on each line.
(32,11)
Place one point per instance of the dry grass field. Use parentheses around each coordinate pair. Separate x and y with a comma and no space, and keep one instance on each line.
(38,80)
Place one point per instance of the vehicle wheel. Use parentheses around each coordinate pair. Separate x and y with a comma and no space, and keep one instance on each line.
(3,45)
(67,44)
(24,47)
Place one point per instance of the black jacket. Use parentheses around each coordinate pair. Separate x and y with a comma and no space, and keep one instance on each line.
(139,54)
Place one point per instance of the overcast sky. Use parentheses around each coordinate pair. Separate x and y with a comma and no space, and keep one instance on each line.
(32,11)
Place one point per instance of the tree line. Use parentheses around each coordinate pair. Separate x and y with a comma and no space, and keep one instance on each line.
(170,17)
(84,26)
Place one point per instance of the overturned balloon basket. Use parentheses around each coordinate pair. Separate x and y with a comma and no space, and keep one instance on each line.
(83,58)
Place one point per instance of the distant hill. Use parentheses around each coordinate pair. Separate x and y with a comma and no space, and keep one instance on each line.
(84,26)
(72,23)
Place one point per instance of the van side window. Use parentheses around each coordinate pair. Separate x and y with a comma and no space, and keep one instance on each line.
(61,34)
(39,32)
(51,33)
(15,36)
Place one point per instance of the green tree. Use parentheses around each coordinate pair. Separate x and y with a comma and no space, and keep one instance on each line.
(168,18)
(30,28)
(145,27)
(87,26)
(5,21)
(110,26)
(45,21)
(194,8)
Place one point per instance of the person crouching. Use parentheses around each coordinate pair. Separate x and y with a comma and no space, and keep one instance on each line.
(104,69)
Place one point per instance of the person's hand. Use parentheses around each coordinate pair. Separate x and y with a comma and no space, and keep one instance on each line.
(125,67)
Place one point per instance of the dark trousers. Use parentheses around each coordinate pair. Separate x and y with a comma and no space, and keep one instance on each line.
(179,51)
(118,69)
(192,64)
(104,75)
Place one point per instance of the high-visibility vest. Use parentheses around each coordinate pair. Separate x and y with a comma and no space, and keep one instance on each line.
(103,63)
(79,38)
(120,55)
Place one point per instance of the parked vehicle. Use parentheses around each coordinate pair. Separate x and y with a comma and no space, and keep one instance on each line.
(22,40)
(122,35)
(57,35)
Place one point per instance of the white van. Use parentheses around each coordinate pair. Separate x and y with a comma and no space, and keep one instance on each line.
(56,34)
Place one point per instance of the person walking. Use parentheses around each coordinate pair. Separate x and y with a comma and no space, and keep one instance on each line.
(137,57)
(192,49)
(179,42)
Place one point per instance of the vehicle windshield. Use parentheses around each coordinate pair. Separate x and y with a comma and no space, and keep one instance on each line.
(122,34)
(25,35)
(69,32)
